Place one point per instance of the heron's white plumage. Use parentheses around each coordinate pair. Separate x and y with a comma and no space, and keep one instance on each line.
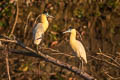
(77,46)
(39,29)
(79,49)
(38,32)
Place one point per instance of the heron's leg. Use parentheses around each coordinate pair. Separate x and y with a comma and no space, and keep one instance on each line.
(37,48)
(79,66)
(82,65)
(40,47)
(79,63)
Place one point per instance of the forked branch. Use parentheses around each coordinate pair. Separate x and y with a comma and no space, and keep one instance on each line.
(50,59)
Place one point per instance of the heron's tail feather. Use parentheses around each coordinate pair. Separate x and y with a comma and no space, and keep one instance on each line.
(85,60)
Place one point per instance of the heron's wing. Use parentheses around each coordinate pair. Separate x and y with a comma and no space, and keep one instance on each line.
(38,32)
(81,50)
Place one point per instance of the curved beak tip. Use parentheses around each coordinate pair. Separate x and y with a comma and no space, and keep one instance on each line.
(51,16)
(65,32)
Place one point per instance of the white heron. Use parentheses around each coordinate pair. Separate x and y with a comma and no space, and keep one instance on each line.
(40,29)
(77,46)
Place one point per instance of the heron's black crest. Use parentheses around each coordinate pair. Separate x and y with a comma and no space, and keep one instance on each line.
(71,27)
(45,12)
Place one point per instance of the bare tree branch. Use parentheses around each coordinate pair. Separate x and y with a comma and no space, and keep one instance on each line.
(101,53)
(36,20)
(115,78)
(7,64)
(106,62)
(26,25)
(13,28)
(56,52)
(52,60)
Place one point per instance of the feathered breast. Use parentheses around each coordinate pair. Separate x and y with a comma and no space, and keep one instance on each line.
(79,49)
(38,32)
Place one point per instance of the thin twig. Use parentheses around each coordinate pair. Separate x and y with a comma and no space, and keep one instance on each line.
(26,26)
(111,59)
(64,54)
(13,28)
(101,53)
(36,20)
(52,49)
(105,61)
(118,53)
(11,41)
(57,52)
(0,43)
(4,36)
(7,65)
(79,35)
(111,76)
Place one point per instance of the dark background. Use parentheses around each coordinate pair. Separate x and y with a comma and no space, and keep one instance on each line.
(98,22)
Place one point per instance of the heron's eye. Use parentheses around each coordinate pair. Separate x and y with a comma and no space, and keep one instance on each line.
(70,28)
(46,14)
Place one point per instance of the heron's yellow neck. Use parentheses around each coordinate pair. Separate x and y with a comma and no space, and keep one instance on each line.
(44,21)
(73,36)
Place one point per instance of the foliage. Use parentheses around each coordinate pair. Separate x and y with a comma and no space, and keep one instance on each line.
(5,12)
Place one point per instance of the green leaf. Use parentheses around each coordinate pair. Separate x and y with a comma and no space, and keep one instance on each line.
(1,24)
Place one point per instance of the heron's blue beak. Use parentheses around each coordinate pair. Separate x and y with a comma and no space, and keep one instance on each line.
(49,15)
(67,31)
